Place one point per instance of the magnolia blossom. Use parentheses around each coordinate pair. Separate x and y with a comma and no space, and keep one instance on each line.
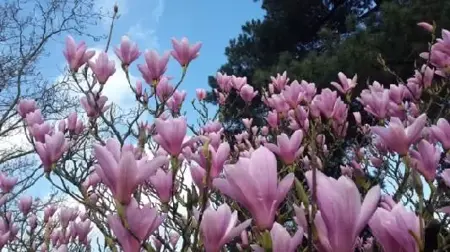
(254,183)
(341,198)
(120,171)
(183,52)
(218,227)
(396,137)
(154,67)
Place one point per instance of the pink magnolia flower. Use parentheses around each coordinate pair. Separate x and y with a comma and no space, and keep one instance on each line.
(392,227)
(272,119)
(52,150)
(244,239)
(375,102)
(396,137)
(120,171)
(414,85)
(445,175)
(94,106)
(74,125)
(341,198)
(176,101)
(142,222)
(309,90)
(271,90)
(173,239)
(34,117)
(154,67)
(92,180)
(25,203)
(298,118)
(222,98)
(288,149)
(428,74)
(441,131)
(376,162)
(82,229)
(426,159)
(103,68)
(247,94)
(76,55)
(426,26)
(39,131)
(218,227)
(198,175)
(397,93)
(217,158)
(282,240)
(254,183)
(163,184)
(357,117)
(170,134)
(265,130)
(62,126)
(340,110)
(49,211)
(26,106)
(201,94)
(247,122)
(164,89)
(324,102)
(212,126)
(346,84)
(138,89)
(238,82)
(439,56)
(4,238)
(224,82)
(62,248)
(183,52)
(278,103)
(293,94)
(7,183)
(67,214)
(280,81)
(128,51)
(32,222)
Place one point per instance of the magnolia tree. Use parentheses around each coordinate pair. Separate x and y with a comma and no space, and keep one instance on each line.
(148,185)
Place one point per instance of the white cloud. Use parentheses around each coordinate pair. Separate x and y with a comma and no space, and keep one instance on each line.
(146,37)
(158,11)
(15,140)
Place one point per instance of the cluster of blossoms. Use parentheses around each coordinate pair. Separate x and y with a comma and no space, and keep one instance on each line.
(267,189)
(68,226)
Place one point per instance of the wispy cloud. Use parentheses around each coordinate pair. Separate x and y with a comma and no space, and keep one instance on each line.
(158,11)
(146,37)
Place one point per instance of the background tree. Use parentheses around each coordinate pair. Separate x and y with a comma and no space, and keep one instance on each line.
(314,40)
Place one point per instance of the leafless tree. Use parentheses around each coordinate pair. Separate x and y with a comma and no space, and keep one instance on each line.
(27,28)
